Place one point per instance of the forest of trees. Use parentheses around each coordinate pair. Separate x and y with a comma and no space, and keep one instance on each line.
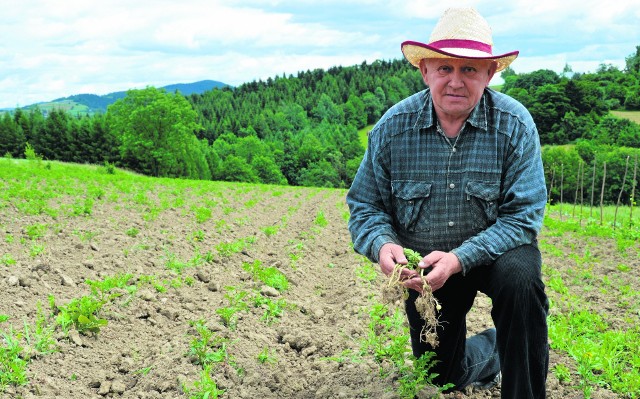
(303,130)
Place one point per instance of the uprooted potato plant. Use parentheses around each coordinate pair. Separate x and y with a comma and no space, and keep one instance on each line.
(426,304)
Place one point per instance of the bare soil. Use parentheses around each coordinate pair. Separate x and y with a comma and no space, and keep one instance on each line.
(152,331)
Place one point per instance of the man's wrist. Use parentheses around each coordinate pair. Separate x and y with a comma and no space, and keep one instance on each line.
(377,245)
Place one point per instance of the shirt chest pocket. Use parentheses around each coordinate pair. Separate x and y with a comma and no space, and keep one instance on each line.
(482,200)
(411,202)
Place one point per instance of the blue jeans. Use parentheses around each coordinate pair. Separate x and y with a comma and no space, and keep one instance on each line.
(518,346)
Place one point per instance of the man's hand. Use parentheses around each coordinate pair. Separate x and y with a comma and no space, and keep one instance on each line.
(444,265)
(392,254)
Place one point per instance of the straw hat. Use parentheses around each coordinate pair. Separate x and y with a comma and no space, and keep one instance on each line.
(460,33)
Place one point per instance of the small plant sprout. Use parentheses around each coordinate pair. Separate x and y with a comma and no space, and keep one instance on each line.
(7,260)
(266,357)
(271,276)
(144,370)
(426,304)
(202,214)
(132,232)
(321,220)
(205,388)
(228,314)
(80,313)
(197,236)
(562,372)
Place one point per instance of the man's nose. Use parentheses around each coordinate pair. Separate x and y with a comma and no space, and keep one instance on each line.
(455,80)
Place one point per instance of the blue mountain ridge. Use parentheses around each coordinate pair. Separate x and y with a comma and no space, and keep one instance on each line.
(99,103)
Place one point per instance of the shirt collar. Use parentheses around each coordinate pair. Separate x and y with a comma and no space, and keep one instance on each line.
(477,118)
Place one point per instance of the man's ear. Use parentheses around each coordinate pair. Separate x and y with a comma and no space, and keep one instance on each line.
(492,71)
(423,71)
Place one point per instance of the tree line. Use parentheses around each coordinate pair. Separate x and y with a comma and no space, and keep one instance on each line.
(300,130)
(303,129)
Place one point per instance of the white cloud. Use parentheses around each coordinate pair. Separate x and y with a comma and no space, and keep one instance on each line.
(56,48)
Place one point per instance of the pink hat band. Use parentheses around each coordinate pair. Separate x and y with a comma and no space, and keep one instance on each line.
(462,43)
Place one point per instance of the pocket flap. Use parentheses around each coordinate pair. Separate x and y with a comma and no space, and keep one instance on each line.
(484,190)
(410,189)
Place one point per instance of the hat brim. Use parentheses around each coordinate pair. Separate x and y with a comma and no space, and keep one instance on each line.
(416,51)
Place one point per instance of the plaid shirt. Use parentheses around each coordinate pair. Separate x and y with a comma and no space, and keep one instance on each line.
(478,195)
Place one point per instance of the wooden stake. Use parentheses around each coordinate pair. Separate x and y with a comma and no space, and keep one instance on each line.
(581,190)
(593,188)
(633,190)
(561,188)
(624,179)
(604,177)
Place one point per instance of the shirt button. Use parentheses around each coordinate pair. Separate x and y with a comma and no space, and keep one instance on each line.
(451,224)
(453,149)
(452,185)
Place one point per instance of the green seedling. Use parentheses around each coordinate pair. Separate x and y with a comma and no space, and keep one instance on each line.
(236,304)
(205,388)
(153,281)
(7,260)
(80,313)
(111,287)
(387,340)
(209,350)
(17,348)
(202,214)
(270,230)
(228,249)
(132,232)
(197,236)
(321,220)
(271,276)
(13,365)
(265,356)
(39,339)
(85,236)
(367,271)
(562,373)
(36,249)
(273,309)
(143,371)
(36,231)
(82,207)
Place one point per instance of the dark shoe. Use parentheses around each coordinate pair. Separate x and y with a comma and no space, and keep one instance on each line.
(488,383)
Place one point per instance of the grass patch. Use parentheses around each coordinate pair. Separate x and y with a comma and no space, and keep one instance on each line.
(631,115)
(363,135)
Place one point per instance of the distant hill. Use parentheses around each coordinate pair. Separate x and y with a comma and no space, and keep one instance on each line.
(87,104)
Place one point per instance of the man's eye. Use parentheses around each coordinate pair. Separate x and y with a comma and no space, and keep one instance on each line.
(469,70)
(444,69)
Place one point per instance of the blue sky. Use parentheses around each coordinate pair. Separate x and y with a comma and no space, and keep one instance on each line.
(56,48)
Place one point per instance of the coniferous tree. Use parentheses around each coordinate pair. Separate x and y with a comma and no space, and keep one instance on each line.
(12,138)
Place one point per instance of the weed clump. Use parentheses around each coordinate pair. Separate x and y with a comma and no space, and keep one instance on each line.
(426,304)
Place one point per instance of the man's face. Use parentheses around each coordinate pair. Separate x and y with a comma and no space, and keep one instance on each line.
(456,84)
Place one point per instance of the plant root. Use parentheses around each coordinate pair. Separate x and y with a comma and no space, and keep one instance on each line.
(394,290)
(426,304)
